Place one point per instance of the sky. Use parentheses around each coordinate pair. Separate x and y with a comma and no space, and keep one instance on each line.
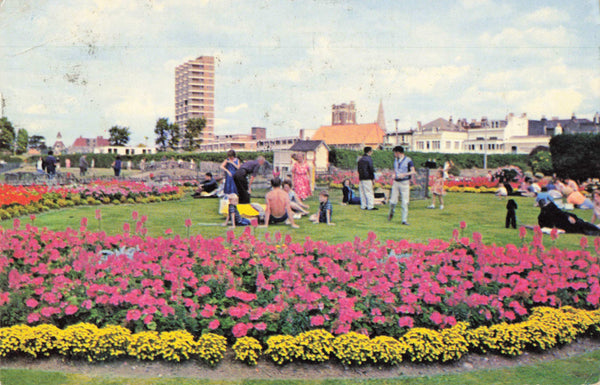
(79,67)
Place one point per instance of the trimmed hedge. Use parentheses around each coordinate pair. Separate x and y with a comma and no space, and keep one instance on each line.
(384,159)
(105,160)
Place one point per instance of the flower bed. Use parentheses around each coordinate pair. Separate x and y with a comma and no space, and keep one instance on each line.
(545,328)
(242,286)
(20,200)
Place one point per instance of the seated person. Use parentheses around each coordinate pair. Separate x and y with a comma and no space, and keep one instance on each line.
(578,200)
(596,202)
(298,206)
(325,210)
(233,215)
(208,187)
(278,208)
(542,197)
(553,217)
(349,197)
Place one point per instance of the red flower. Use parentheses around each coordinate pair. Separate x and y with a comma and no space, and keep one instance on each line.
(463,225)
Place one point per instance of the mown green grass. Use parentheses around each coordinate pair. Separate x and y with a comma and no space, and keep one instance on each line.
(483,213)
(582,369)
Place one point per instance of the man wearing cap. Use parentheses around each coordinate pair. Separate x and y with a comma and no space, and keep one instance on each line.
(404,169)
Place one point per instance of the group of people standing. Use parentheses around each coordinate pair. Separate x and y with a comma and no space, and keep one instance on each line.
(404,170)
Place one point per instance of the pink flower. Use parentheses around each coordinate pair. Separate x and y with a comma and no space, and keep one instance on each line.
(317,320)
(126,227)
(254,222)
(148,318)
(214,324)
(33,317)
(32,217)
(522,232)
(554,234)
(240,330)
(133,315)
(188,222)
(436,317)
(583,242)
(134,215)
(406,321)
(261,326)
(98,214)
(71,309)
(463,225)
(84,222)
(16,223)
(31,303)
(168,231)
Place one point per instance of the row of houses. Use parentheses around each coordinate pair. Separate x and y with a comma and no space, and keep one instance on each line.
(515,134)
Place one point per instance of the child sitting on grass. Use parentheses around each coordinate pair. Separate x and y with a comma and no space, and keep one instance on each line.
(325,209)
(233,215)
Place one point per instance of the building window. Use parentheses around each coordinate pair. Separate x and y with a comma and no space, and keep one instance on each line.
(420,145)
(435,145)
(456,145)
(448,145)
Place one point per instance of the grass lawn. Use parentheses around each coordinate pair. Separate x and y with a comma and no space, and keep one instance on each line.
(483,213)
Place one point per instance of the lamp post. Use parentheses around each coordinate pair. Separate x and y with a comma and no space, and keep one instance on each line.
(485,145)
(396,130)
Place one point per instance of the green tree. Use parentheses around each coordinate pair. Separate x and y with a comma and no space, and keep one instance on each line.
(193,133)
(167,134)
(7,134)
(119,136)
(37,142)
(576,156)
(22,141)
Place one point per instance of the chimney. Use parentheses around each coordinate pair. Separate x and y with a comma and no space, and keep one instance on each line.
(450,119)
(419,126)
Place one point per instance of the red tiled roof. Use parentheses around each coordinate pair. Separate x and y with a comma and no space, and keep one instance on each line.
(80,142)
(350,134)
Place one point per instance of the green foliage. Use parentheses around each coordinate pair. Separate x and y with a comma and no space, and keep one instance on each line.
(22,139)
(576,156)
(7,134)
(383,159)
(193,133)
(541,161)
(119,136)
(37,142)
(167,134)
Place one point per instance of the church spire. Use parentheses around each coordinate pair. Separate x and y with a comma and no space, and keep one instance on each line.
(381,117)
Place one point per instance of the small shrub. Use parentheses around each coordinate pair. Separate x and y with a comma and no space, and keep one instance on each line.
(247,350)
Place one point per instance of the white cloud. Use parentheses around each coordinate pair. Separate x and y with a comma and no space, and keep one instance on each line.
(561,102)
(545,15)
(233,109)
(528,37)
(432,79)
(37,109)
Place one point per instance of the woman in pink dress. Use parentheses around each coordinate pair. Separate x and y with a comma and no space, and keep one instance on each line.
(301,176)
